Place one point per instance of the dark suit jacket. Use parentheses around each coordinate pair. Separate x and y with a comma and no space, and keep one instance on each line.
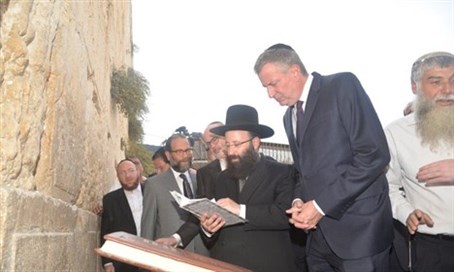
(205,189)
(117,216)
(341,158)
(205,179)
(263,243)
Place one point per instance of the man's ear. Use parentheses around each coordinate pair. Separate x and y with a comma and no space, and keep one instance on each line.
(294,69)
(256,143)
(413,87)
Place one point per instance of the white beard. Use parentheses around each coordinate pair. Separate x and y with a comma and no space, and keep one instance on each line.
(435,125)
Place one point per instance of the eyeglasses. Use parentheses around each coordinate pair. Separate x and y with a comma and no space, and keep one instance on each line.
(127,171)
(213,140)
(180,152)
(227,145)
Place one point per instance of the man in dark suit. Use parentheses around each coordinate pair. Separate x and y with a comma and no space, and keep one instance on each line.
(216,161)
(340,151)
(122,210)
(257,189)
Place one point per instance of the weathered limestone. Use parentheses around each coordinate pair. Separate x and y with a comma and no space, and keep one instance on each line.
(60,135)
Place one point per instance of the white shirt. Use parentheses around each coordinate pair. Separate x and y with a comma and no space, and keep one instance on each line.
(407,156)
(135,201)
(223,164)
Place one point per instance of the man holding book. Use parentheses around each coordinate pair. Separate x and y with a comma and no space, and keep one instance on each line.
(255,188)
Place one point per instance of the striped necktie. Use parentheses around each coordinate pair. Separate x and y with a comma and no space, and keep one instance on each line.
(186,187)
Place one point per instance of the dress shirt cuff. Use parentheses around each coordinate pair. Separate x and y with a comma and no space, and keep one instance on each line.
(207,234)
(243,211)
(318,208)
(296,199)
(178,238)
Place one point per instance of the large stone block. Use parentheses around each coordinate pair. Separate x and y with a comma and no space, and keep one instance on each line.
(39,233)
(60,135)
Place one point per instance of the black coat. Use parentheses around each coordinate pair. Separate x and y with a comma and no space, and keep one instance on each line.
(263,243)
(117,216)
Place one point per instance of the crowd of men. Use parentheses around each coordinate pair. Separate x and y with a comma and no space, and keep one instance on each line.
(359,197)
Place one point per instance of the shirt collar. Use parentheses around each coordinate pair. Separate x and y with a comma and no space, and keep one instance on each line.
(307,87)
(137,190)
(305,93)
(177,174)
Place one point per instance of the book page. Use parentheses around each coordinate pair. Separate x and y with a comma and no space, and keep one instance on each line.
(203,205)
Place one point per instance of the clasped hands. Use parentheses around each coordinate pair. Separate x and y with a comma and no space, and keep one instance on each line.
(304,215)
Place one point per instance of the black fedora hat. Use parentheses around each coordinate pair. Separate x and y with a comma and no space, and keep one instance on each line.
(243,117)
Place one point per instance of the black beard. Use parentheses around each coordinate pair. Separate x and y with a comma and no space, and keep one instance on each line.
(240,169)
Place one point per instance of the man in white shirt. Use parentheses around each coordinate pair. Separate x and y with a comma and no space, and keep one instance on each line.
(421,171)
(122,210)
(98,208)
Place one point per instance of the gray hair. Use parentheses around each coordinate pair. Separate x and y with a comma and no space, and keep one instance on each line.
(176,135)
(281,54)
(429,61)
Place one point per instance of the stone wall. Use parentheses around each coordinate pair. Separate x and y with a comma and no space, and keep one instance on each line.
(60,135)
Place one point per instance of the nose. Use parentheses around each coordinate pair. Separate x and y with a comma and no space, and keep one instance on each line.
(230,150)
(448,87)
(271,91)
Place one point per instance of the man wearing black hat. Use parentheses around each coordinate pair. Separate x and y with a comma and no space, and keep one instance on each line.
(257,189)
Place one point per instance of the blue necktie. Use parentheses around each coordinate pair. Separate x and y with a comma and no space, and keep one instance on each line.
(299,120)
(186,187)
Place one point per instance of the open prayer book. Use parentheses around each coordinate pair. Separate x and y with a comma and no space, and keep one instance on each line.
(203,205)
(149,255)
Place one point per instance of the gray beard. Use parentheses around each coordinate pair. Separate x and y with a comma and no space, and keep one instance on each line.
(435,125)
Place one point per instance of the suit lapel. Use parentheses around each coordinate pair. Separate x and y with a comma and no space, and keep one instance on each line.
(124,206)
(288,125)
(172,186)
(231,189)
(253,181)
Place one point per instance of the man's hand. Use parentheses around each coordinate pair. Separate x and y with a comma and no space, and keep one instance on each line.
(437,173)
(97,209)
(211,223)
(109,268)
(230,205)
(168,241)
(304,215)
(416,218)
